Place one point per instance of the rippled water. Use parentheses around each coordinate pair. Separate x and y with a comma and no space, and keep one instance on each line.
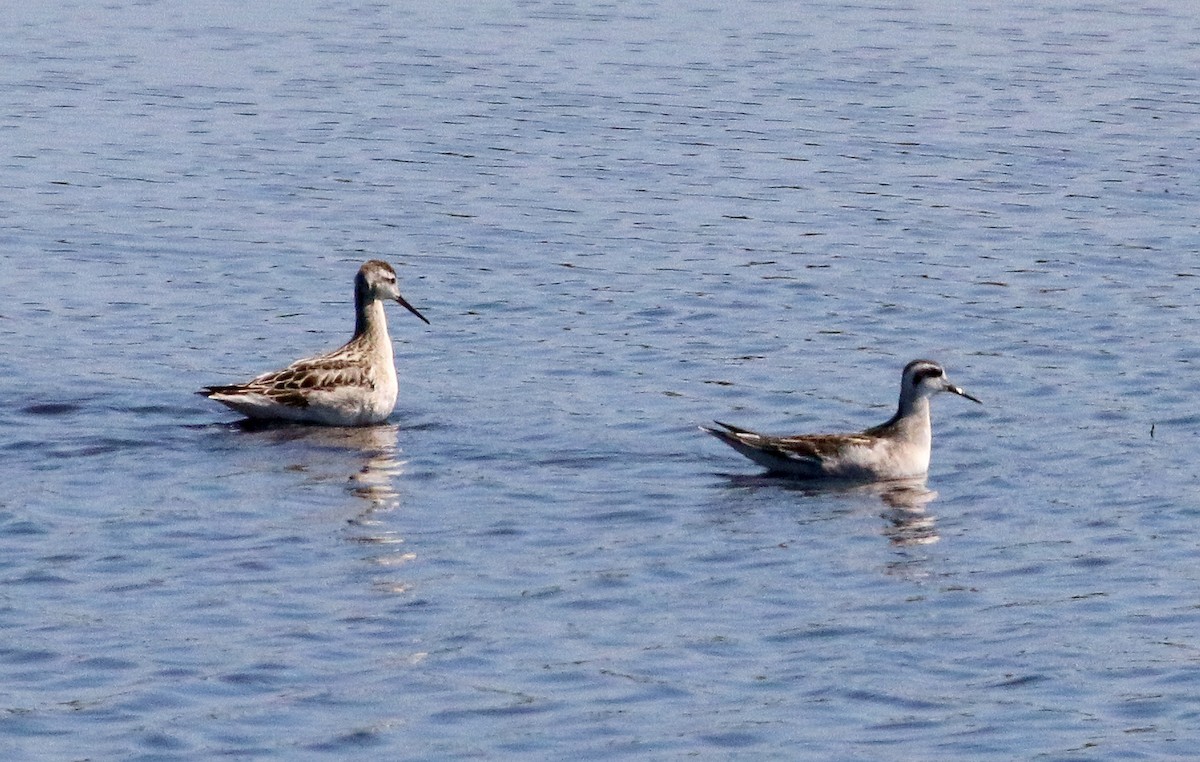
(622,221)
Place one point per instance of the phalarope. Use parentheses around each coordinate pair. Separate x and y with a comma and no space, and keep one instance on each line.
(896,449)
(354,385)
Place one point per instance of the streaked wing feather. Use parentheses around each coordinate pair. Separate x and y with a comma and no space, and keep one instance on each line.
(333,370)
(290,386)
(818,445)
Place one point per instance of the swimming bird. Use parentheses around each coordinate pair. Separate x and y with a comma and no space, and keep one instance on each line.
(354,385)
(896,449)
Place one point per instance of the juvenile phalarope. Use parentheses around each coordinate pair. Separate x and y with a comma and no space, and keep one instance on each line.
(354,385)
(896,449)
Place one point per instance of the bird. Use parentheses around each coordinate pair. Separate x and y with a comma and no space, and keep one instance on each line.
(896,449)
(354,385)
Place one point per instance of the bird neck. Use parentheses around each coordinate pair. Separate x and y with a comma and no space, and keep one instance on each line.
(912,419)
(910,422)
(916,406)
(368,311)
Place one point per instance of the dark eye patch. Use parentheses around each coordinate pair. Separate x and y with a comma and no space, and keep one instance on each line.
(925,373)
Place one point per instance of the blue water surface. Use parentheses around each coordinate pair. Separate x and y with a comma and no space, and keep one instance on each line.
(622,220)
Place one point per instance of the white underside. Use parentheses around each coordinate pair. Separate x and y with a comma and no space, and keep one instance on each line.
(336,407)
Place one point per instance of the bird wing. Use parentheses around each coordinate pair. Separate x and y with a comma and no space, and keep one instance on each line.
(291,385)
(817,445)
(806,448)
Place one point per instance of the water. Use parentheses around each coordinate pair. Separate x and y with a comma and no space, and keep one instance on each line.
(622,221)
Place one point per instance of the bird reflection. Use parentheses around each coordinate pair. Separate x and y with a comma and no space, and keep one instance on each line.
(378,444)
(906,520)
(373,482)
